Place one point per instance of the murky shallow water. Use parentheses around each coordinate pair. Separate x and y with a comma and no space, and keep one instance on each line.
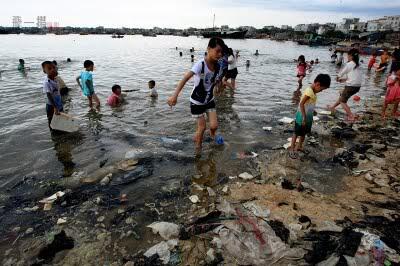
(264,95)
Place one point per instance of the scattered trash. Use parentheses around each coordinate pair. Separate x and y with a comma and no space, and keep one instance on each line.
(286,120)
(64,122)
(170,140)
(225,189)
(166,230)
(246,176)
(194,198)
(127,165)
(257,210)
(211,192)
(61,221)
(244,155)
(106,180)
(163,250)
(137,154)
(232,177)
(267,128)
(53,197)
(29,231)
(210,256)
(324,112)
(315,118)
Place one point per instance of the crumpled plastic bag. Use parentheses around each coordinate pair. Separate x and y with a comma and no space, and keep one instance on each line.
(246,248)
(256,209)
(165,229)
(162,249)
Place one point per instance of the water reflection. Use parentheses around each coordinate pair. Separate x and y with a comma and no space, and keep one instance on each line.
(94,123)
(63,145)
(206,170)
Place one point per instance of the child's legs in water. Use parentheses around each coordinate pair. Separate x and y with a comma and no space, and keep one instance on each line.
(90,101)
(233,81)
(293,145)
(201,127)
(384,110)
(96,99)
(395,107)
(212,117)
(301,143)
(300,81)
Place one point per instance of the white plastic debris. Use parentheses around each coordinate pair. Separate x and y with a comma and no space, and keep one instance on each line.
(64,122)
(225,189)
(53,197)
(324,112)
(315,118)
(106,180)
(211,192)
(210,255)
(163,250)
(61,221)
(287,145)
(137,154)
(166,230)
(256,209)
(194,198)
(170,140)
(246,176)
(286,120)
(267,128)
(232,177)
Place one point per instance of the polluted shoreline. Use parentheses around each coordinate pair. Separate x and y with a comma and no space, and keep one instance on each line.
(337,205)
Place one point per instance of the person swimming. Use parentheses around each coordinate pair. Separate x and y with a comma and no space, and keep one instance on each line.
(257,53)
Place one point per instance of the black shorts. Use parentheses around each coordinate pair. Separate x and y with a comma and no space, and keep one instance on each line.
(64,91)
(347,93)
(384,65)
(232,74)
(199,110)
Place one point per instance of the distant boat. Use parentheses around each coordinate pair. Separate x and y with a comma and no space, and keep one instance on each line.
(83,33)
(315,40)
(364,48)
(238,34)
(118,36)
(149,34)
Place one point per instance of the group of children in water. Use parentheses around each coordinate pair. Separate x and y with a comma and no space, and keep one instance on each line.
(352,76)
(211,75)
(54,87)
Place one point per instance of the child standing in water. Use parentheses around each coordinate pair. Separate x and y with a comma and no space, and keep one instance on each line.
(50,88)
(352,75)
(153,91)
(86,83)
(372,61)
(202,101)
(301,70)
(392,93)
(305,112)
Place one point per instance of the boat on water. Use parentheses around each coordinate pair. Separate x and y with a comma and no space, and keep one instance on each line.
(83,33)
(225,34)
(237,34)
(315,40)
(149,34)
(363,48)
(118,36)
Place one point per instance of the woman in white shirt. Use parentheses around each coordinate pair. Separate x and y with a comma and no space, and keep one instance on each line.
(351,74)
(232,70)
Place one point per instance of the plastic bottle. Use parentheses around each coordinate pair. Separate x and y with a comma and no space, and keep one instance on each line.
(378,252)
(219,140)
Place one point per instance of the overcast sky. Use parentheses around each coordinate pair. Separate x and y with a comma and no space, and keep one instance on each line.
(196,13)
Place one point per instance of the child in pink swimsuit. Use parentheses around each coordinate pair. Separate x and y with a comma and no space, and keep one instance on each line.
(301,70)
(392,93)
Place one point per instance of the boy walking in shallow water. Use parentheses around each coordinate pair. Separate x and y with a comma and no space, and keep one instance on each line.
(86,83)
(202,101)
(305,113)
(50,88)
